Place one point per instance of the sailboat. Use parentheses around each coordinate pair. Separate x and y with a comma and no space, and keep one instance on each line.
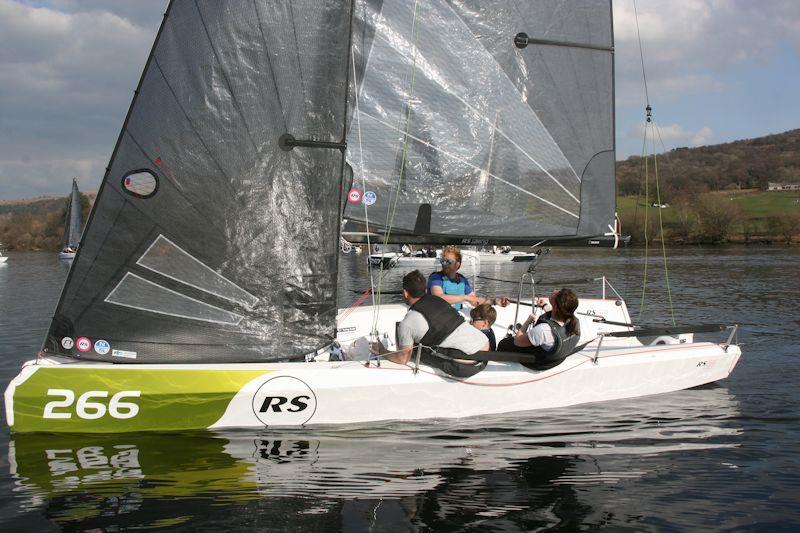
(72,224)
(3,258)
(204,291)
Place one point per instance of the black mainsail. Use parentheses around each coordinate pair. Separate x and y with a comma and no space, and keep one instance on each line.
(214,237)
(498,115)
(73,219)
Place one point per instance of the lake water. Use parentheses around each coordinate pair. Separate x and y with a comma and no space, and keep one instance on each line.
(725,456)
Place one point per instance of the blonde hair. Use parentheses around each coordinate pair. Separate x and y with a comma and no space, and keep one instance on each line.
(452,250)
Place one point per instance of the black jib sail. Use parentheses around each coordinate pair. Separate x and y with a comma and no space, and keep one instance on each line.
(214,237)
(488,121)
(73,220)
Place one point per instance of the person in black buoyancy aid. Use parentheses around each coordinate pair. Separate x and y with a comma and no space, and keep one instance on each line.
(550,334)
(432,322)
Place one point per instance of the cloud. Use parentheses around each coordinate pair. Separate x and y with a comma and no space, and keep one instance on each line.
(673,135)
(689,44)
(67,74)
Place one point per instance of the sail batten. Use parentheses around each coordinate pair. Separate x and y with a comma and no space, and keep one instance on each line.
(489,123)
(465,162)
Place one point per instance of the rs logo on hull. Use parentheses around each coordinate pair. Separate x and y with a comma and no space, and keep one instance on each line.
(284,401)
(276,404)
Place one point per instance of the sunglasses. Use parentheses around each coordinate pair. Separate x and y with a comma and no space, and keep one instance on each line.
(444,261)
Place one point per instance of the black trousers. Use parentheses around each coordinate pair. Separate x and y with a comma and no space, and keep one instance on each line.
(448,366)
(542,360)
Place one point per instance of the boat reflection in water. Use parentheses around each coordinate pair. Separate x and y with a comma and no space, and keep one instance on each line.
(527,470)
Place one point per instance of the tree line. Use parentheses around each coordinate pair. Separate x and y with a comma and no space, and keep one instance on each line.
(745,164)
(37,224)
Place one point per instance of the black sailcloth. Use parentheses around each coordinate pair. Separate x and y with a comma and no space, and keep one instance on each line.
(498,115)
(209,242)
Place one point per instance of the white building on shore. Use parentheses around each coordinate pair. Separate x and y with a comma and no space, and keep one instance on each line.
(773,186)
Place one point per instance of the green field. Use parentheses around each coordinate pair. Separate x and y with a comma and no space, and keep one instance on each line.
(756,204)
(760,204)
(754,216)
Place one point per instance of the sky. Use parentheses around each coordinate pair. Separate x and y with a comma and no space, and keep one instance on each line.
(717,71)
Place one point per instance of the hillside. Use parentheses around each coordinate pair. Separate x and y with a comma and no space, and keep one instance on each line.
(37,223)
(745,164)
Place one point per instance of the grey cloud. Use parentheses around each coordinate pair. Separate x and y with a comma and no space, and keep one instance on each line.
(140,12)
(688,44)
(67,74)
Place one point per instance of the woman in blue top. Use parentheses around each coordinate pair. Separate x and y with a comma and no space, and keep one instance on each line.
(454,288)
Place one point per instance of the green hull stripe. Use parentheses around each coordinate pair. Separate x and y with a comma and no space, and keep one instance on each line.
(167,400)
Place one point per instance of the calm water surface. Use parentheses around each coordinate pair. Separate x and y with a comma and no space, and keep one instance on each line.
(725,456)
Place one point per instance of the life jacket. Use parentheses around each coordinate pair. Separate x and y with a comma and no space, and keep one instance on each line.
(563,343)
(442,320)
(457,287)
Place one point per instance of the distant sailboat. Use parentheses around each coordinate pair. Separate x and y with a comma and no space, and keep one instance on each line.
(3,258)
(72,225)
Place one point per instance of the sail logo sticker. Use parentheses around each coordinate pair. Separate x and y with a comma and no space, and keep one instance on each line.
(67,343)
(102,347)
(284,401)
(83,344)
(124,353)
(370,197)
(353,196)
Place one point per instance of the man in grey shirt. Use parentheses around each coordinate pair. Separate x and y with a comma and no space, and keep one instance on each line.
(440,316)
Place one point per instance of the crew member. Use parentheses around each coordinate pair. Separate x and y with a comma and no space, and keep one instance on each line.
(550,334)
(454,288)
(442,331)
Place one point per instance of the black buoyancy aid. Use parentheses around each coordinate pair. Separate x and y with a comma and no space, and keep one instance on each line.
(563,344)
(442,319)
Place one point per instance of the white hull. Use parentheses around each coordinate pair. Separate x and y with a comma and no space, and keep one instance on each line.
(397,259)
(66,255)
(350,391)
(3,259)
(488,258)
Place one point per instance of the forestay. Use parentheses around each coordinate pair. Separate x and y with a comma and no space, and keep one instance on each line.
(508,139)
(210,241)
